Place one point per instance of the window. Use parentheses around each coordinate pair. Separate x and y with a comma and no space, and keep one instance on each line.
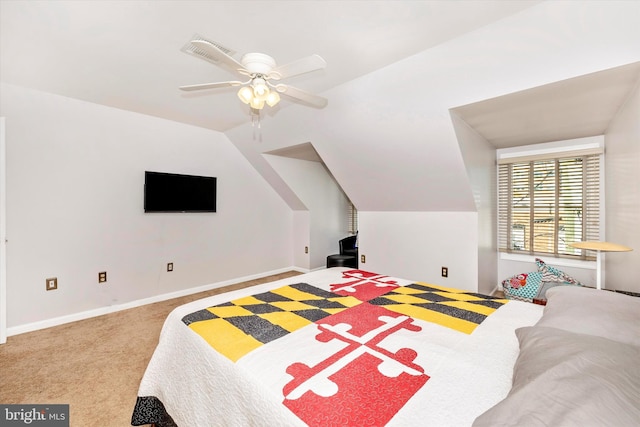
(352,218)
(544,204)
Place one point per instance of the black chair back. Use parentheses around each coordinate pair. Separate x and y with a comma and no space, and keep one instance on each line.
(348,245)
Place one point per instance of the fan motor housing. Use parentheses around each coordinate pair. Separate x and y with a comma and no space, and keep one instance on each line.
(258,63)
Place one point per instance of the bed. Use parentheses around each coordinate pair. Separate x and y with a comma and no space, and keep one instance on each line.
(350,347)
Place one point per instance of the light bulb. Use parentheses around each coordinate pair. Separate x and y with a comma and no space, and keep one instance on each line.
(245,94)
(260,89)
(256,103)
(273,98)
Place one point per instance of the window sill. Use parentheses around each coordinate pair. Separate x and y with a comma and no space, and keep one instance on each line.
(561,262)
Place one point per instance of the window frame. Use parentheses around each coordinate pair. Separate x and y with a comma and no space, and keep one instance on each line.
(591,148)
(352,218)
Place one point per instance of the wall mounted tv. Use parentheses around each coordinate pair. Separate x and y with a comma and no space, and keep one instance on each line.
(170,192)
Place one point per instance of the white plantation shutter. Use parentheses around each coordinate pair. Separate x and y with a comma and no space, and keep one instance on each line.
(592,196)
(352,218)
(545,204)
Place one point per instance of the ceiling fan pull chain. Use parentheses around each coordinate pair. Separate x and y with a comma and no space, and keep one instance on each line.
(255,118)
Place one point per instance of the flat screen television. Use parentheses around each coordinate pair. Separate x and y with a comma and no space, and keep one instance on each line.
(170,192)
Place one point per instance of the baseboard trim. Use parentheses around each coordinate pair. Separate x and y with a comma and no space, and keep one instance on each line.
(56,321)
(498,288)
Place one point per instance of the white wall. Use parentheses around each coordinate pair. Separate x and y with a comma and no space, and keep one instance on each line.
(325,200)
(301,238)
(3,230)
(622,164)
(480,162)
(415,245)
(75,175)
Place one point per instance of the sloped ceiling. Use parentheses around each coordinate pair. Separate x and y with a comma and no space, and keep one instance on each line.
(388,139)
(573,108)
(126,54)
(303,151)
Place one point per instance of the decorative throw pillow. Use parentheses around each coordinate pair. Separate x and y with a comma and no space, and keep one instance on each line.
(551,274)
(583,310)
(533,286)
(522,287)
(564,378)
(516,282)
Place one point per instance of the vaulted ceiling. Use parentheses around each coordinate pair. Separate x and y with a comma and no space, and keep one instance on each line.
(573,108)
(126,54)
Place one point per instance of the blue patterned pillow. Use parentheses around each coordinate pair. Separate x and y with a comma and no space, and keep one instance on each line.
(532,287)
(551,274)
(522,287)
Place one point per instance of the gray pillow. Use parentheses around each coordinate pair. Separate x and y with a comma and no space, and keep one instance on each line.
(595,312)
(566,379)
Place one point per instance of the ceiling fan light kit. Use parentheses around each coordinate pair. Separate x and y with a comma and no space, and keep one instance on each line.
(258,93)
(260,68)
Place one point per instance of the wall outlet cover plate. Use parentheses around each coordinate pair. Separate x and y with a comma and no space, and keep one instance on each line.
(52,283)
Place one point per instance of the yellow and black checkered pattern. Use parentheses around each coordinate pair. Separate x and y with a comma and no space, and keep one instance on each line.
(452,308)
(240,326)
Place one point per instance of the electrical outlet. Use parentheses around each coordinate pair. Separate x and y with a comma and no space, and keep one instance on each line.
(306,249)
(363,259)
(102,277)
(170,266)
(52,284)
(445,272)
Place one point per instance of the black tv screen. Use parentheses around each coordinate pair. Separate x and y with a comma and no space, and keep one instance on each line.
(169,192)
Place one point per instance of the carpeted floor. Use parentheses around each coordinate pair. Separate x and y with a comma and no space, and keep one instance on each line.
(94,365)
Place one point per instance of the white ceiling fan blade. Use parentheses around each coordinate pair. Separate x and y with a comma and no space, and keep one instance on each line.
(309,98)
(301,66)
(214,53)
(210,85)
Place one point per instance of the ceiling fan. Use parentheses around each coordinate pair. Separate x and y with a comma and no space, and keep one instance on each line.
(262,86)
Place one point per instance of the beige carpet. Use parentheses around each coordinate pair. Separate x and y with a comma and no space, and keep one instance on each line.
(94,365)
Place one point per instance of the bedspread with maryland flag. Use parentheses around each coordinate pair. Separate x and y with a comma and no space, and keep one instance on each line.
(346,354)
